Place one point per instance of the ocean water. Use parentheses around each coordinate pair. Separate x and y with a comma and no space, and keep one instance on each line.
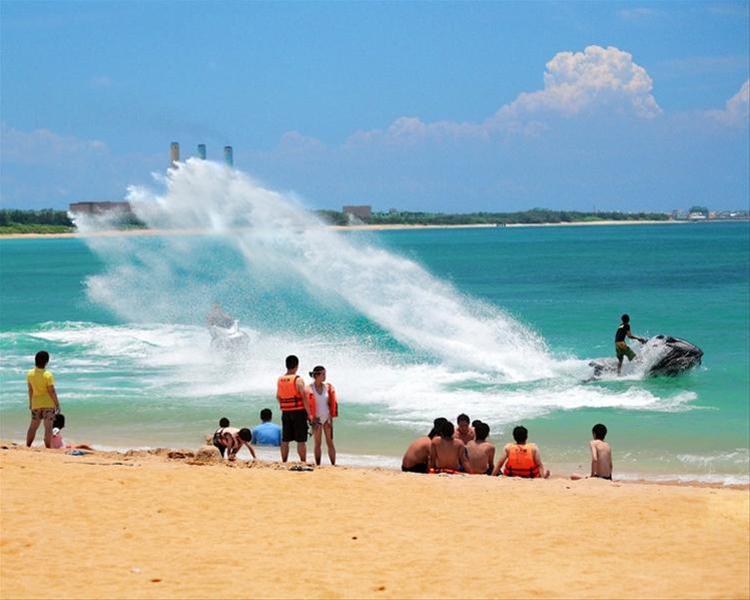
(411,325)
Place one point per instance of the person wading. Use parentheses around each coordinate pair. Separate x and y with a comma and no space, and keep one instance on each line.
(295,410)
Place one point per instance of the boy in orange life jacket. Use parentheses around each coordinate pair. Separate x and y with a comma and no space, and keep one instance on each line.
(295,410)
(521,459)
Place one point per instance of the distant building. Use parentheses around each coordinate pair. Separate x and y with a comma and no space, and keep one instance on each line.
(697,216)
(98,208)
(362,211)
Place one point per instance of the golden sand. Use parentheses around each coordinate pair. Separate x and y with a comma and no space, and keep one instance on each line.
(141,526)
(171,232)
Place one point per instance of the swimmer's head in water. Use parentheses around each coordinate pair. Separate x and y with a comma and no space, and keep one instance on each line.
(520,434)
(599,431)
(245,434)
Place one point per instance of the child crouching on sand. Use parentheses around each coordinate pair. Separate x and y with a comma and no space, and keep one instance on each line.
(57,441)
(601,455)
(234,439)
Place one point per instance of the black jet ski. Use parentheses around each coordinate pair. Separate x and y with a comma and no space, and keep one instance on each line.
(662,355)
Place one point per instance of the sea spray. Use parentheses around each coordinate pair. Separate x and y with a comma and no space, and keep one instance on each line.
(289,253)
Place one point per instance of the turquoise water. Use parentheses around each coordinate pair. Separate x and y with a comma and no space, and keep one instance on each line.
(122,318)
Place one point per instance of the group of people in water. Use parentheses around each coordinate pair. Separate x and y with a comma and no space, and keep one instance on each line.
(312,407)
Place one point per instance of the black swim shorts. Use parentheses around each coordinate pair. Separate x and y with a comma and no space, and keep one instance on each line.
(294,426)
(418,468)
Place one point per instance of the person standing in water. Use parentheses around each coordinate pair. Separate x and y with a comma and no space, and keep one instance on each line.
(621,347)
(295,410)
(43,402)
(323,408)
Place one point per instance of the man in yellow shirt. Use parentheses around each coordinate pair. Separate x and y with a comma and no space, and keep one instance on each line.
(43,402)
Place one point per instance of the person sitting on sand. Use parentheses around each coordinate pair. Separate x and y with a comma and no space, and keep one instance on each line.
(464,431)
(43,401)
(480,454)
(234,439)
(621,347)
(323,408)
(447,454)
(57,441)
(267,433)
(521,459)
(417,456)
(601,455)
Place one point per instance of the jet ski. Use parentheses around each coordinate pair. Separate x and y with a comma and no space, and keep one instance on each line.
(661,355)
(229,339)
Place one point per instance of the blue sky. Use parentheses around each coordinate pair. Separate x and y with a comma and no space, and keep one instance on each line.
(413,105)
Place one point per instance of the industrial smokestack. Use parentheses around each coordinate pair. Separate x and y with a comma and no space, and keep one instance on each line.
(174,154)
(228,156)
(202,151)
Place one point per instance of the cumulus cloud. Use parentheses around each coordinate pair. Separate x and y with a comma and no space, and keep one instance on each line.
(575,83)
(737,109)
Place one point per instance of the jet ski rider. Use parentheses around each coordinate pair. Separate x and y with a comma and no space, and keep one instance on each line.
(218,318)
(621,348)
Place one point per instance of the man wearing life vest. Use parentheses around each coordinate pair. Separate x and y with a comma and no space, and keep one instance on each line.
(295,410)
(521,459)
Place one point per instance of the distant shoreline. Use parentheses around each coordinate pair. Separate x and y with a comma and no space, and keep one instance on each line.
(395,227)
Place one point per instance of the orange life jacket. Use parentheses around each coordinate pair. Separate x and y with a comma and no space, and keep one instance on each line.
(333,405)
(288,395)
(521,462)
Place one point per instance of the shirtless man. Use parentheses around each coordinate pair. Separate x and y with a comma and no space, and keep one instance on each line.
(521,459)
(464,432)
(417,456)
(480,454)
(601,455)
(446,452)
(234,439)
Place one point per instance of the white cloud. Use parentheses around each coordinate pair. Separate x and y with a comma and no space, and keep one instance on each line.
(736,110)
(637,14)
(575,83)
(45,147)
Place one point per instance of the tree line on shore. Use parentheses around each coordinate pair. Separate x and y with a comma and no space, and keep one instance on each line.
(57,221)
(535,215)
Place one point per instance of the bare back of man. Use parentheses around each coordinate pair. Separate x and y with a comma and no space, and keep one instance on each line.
(480,457)
(447,453)
(417,454)
(601,459)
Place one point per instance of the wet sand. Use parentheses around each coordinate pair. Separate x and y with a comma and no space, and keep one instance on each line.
(145,526)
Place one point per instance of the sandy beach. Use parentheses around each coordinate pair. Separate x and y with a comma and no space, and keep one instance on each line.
(145,526)
(158,232)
